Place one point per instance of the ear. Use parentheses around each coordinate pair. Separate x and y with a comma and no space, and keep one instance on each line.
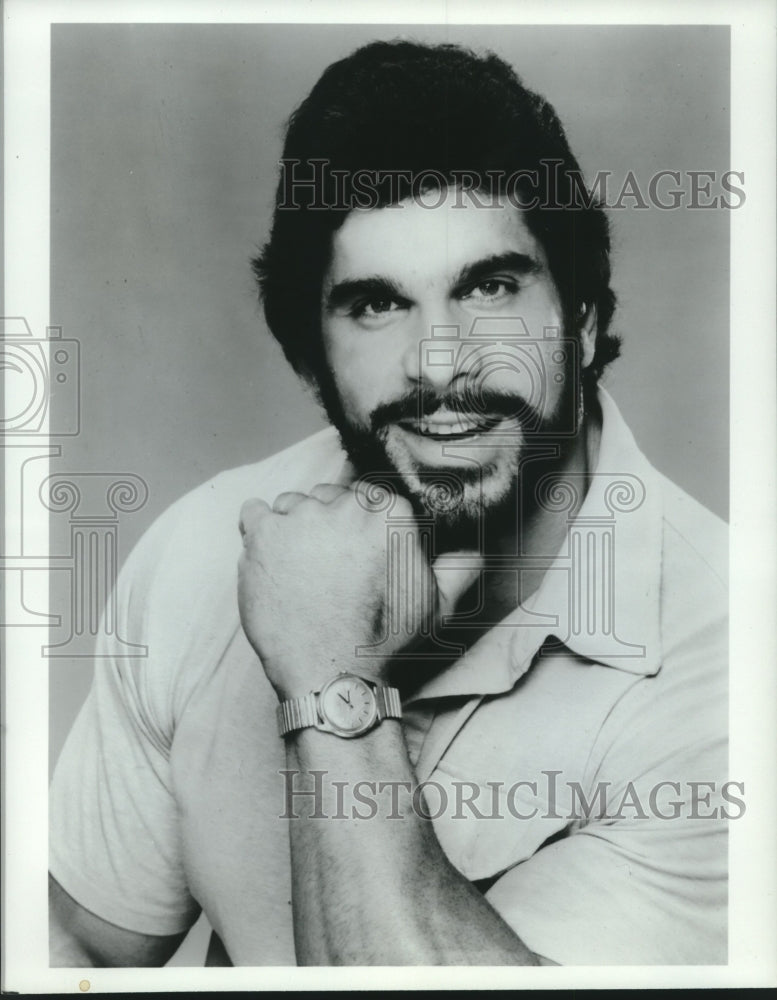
(588,328)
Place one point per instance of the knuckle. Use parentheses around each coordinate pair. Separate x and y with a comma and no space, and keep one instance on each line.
(250,513)
(281,501)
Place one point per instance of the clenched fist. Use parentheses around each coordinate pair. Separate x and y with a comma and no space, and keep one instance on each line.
(319,578)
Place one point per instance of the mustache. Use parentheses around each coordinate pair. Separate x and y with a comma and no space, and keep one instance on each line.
(424,402)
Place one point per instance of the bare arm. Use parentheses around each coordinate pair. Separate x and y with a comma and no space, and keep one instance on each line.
(380,891)
(78,938)
(364,892)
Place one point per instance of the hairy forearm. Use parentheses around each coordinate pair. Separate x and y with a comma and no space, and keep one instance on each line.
(380,891)
(374,891)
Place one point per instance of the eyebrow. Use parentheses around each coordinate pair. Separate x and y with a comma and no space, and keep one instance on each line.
(374,286)
(520,264)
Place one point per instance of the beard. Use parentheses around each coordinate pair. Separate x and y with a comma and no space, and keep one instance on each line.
(471,492)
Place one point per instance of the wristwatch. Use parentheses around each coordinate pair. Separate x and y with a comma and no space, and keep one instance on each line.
(347,706)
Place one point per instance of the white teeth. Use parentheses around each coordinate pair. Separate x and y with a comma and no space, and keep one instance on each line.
(455,425)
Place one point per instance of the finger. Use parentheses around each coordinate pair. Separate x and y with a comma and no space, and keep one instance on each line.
(250,513)
(286,502)
(326,492)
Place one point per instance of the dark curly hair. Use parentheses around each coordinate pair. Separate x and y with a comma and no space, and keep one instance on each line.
(408,110)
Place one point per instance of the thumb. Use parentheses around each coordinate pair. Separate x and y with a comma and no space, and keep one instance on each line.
(455,573)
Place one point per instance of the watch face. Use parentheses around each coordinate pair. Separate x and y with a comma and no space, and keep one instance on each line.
(348,705)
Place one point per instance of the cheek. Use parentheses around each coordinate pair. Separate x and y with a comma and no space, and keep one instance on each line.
(543,311)
(367,367)
(560,362)
(556,358)
(356,373)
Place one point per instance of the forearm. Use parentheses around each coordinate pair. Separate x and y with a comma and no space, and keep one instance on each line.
(380,891)
(376,891)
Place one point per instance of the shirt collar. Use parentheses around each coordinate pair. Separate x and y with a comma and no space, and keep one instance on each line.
(599,598)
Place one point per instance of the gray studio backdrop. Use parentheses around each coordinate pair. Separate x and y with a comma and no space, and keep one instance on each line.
(164,148)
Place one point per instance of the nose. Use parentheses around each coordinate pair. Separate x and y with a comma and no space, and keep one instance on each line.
(431,349)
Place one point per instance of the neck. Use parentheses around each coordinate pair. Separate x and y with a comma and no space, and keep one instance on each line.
(529,528)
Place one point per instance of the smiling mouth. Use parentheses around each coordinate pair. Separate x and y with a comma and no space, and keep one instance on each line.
(449,426)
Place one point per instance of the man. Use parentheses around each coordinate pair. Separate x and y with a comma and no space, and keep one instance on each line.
(490,634)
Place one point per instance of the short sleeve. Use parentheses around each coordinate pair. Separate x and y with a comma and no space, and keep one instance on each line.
(114,842)
(117,841)
(640,878)
(623,894)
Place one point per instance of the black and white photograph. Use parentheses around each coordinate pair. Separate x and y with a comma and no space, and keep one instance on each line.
(389,449)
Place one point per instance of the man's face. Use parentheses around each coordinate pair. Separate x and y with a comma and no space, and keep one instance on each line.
(464,407)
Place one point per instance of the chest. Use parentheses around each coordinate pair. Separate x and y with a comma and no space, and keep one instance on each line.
(497,773)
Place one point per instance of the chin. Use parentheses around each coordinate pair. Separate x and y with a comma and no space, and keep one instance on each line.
(458,494)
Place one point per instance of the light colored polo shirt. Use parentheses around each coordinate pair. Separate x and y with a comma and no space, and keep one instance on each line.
(575,756)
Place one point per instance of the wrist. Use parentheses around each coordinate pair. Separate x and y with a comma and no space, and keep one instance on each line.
(348,705)
(298,683)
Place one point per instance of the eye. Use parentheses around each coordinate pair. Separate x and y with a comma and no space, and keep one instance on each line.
(491,290)
(374,309)
(376,306)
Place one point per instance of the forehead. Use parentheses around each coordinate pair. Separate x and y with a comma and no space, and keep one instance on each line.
(427,239)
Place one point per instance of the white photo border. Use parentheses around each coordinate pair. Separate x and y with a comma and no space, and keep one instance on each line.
(753,923)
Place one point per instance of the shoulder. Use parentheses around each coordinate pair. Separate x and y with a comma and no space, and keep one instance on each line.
(675,722)
(678,582)
(694,582)
(694,537)
(204,522)
(176,594)
(295,468)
